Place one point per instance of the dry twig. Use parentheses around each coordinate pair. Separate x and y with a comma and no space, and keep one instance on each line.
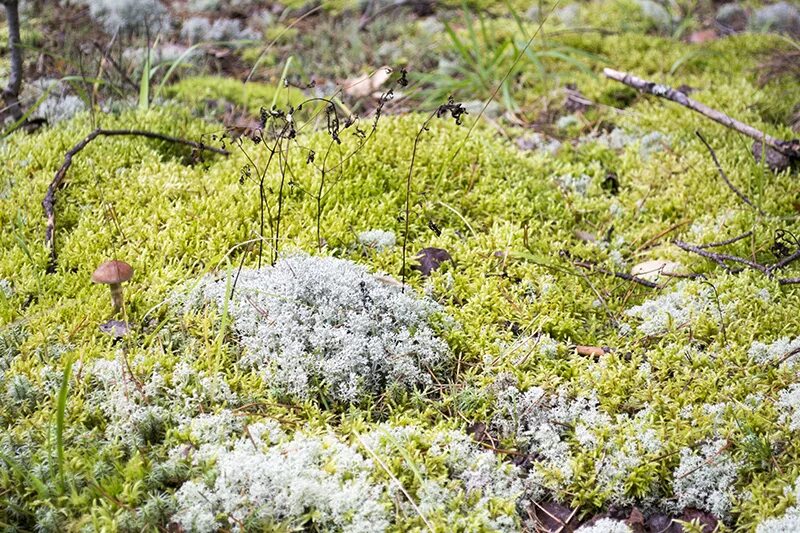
(721,259)
(789,148)
(622,275)
(49,202)
(12,89)
(726,241)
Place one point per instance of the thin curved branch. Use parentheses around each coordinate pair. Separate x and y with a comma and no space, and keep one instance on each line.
(49,202)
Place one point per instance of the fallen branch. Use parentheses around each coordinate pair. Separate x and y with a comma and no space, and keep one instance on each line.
(726,241)
(720,259)
(49,202)
(622,275)
(789,148)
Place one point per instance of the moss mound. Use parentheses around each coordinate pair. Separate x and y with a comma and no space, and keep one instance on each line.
(691,405)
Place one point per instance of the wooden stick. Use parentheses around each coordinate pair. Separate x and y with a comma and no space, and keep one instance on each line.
(588,265)
(49,202)
(726,241)
(788,148)
(720,258)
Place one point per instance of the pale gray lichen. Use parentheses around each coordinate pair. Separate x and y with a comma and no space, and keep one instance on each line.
(164,53)
(476,479)
(200,29)
(55,109)
(260,482)
(606,525)
(377,239)
(129,15)
(684,304)
(324,326)
(656,14)
(618,139)
(567,121)
(195,6)
(781,17)
(705,480)
(575,184)
(6,289)
(782,350)
(789,406)
(549,426)
(138,410)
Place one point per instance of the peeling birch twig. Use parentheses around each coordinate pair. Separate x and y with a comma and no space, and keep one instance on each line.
(789,148)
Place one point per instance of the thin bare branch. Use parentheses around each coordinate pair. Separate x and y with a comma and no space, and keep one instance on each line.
(49,202)
(727,241)
(622,275)
(788,148)
(721,258)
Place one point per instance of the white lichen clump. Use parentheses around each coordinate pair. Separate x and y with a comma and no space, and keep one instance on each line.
(6,289)
(324,326)
(200,29)
(619,139)
(264,477)
(195,6)
(476,480)
(57,109)
(138,409)
(377,239)
(782,350)
(259,482)
(606,525)
(129,15)
(557,429)
(673,309)
(576,184)
(789,406)
(705,480)
(789,522)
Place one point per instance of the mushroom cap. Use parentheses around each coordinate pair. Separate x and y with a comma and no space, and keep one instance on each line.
(112,272)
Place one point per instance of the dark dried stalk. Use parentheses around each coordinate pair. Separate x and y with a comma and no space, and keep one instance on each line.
(720,259)
(422,130)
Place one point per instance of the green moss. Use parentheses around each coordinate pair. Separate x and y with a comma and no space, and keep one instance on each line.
(252,96)
(500,213)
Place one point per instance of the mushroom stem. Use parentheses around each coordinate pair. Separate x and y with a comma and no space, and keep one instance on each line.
(116,296)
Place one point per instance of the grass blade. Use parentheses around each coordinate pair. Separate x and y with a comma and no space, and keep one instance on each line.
(61,409)
(144,83)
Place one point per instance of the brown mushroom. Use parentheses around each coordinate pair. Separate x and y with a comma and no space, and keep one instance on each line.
(114,274)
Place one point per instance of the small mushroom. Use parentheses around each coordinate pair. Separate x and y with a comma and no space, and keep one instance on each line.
(114,274)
